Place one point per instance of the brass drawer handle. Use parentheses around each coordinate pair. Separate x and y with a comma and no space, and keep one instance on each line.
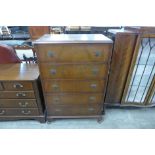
(56,100)
(92,98)
(57,110)
(20,94)
(53,71)
(93,85)
(18,85)
(2,112)
(50,54)
(95,71)
(23,104)
(26,112)
(91,109)
(55,87)
(98,53)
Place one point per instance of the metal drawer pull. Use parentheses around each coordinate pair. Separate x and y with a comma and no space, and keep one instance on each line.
(56,100)
(2,112)
(95,71)
(98,53)
(50,54)
(57,110)
(20,94)
(18,85)
(26,112)
(55,86)
(53,71)
(23,104)
(91,109)
(93,85)
(92,98)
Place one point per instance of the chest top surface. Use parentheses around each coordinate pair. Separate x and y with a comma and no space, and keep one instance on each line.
(73,38)
(18,71)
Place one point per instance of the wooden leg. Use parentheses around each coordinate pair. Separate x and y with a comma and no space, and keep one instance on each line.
(42,120)
(100,119)
(49,121)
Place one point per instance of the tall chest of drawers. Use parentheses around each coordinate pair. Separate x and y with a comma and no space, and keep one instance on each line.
(74,72)
(19,93)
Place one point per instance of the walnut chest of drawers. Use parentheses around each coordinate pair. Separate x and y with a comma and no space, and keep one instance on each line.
(74,71)
(20,96)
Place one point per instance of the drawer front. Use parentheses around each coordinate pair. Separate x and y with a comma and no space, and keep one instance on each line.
(16,94)
(1,88)
(74,99)
(18,112)
(74,53)
(73,71)
(18,103)
(74,111)
(17,85)
(73,85)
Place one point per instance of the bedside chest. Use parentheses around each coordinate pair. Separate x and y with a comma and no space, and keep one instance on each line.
(20,96)
(74,71)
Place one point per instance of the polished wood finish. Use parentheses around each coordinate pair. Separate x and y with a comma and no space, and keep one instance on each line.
(74,99)
(17,111)
(1,88)
(74,72)
(75,86)
(17,85)
(73,39)
(38,31)
(74,53)
(123,50)
(74,111)
(141,29)
(20,103)
(19,96)
(135,54)
(14,72)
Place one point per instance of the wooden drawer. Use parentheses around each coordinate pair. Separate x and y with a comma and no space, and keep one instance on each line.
(73,71)
(74,52)
(74,110)
(74,99)
(1,88)
(18,112)
(74,85)
(17,85)
(16,94)
(18,103)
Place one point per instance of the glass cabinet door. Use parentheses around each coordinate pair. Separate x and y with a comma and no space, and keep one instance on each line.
(141,73)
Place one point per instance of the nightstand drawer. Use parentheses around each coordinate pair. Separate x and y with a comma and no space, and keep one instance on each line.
(16,94)
(73,86)
(74,110)
(17,85)
(18,112)
(73,71)
(18,103)
(1,88)
(74,99)
(74,53)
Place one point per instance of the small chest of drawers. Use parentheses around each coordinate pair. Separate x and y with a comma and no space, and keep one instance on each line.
(19,92)
(74,71)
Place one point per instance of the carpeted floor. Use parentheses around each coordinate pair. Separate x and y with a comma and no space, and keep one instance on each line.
(115,118)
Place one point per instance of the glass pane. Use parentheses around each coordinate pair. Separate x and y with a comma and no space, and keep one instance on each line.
(143,72)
